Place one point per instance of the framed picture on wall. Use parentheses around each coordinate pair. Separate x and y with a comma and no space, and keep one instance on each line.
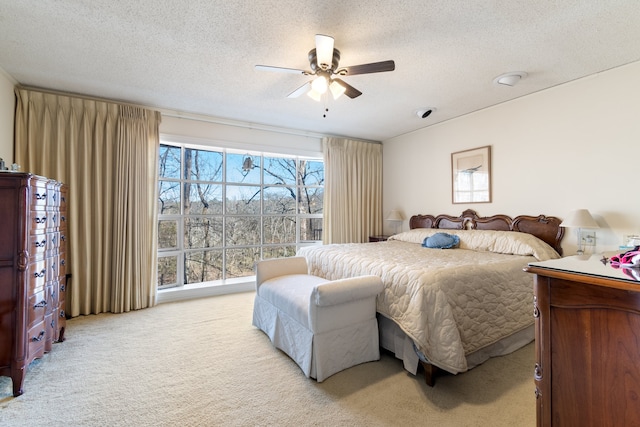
(471,175)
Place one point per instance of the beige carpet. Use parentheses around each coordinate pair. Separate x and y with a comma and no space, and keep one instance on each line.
(201,363)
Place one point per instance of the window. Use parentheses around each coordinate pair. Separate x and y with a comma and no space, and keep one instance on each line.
(220,211)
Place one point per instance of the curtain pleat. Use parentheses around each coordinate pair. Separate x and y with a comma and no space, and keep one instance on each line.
(353,190)
(106,153)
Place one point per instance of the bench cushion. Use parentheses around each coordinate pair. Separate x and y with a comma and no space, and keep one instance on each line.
(291,294)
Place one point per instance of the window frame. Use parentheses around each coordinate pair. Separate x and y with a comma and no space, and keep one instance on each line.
(180,250)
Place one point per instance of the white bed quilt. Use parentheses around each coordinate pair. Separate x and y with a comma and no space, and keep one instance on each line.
(450,302)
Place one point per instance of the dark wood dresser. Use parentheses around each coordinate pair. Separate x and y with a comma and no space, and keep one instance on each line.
(33,228)
(587,329)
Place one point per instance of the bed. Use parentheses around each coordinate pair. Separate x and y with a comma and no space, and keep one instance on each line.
(450,309)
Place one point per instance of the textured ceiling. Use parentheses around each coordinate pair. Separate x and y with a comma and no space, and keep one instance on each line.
(198,56)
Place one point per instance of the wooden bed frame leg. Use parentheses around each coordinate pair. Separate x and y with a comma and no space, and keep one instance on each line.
(430,373)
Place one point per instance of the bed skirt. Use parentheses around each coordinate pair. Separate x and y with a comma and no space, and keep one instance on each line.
(393,339)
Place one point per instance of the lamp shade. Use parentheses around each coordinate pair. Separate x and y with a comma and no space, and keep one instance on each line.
(395,215)
(580,218)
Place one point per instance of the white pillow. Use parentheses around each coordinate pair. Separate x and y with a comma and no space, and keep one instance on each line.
(504,242)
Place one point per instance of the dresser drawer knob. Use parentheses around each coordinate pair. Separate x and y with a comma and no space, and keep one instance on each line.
(62,314)
(39,337)
(41,273)
(41,304)
(40,220)
(42,196)
(41,244)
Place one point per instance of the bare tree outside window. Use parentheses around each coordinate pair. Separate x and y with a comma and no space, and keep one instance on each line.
(220,211)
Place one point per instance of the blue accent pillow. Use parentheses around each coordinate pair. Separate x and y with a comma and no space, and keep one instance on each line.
(441,241)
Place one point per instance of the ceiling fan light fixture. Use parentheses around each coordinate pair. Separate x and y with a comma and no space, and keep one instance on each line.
(320,84)
(324,60)
(314,95)
(510,79)
(336,89)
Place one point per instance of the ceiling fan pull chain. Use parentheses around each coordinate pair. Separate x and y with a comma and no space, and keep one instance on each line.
(325,96)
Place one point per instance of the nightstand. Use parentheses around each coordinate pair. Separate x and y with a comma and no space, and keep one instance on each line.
(380,238)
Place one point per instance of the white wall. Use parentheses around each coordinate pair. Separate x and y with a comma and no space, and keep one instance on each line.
(7,114)
(572,146)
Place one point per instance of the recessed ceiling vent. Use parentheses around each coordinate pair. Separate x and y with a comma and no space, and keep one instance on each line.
(423,113)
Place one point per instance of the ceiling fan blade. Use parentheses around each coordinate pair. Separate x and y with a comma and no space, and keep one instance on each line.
(374,67)
(350,91)
(324,49)
(300,91)
(281,69)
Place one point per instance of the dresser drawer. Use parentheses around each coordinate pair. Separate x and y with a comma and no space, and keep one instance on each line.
(36,337)
(53,220)
(39,196)
(39,244)
(62,223)
(37,307)
(53,268)
(57,267)
(39,221)
(53,242)
(37,275)
(62,241)
(61,321)
(53,194)
(62,195)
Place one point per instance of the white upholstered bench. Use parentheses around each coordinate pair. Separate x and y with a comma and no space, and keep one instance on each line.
(324,326)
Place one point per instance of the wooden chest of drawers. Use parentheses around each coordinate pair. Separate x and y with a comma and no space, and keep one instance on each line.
(33,227)
(587,320)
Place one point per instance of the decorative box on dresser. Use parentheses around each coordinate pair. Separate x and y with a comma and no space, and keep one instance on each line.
(587,342)
(33,228)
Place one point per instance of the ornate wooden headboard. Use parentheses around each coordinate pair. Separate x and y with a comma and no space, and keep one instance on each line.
(545,228)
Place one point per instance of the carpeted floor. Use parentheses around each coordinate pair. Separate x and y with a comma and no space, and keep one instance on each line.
(201,363)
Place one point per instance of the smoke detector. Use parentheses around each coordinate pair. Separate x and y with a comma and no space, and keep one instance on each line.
(510,79)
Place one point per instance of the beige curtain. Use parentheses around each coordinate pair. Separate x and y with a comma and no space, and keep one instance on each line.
(353,190)
(107,154)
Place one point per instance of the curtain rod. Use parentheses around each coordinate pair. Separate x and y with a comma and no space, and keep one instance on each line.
(82,96)
(194,116)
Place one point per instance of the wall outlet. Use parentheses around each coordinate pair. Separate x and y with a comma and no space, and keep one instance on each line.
(589,240)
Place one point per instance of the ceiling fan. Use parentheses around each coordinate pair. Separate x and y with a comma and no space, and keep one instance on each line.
(323,61)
